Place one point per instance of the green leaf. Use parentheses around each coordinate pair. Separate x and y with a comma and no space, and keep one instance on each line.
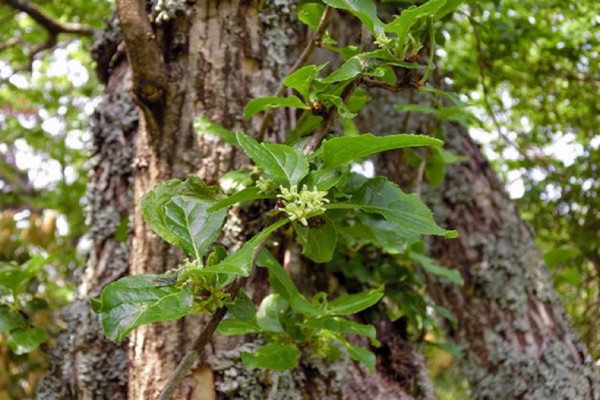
(196,228)
(349,70)
(447,8)
(382,197)
(136,300)
(365,10)
(242,308)
(240,262)
(337,151)
(560,255)
(275,356)
(269,312)
(234,327)
(310,14)
(203,126)
(359,354)
(342,325)
(16,278)
(431,267)
(409,16)
(318,244)
(266,103)
(323,179)
(248,194)
(283,285)
(301,79)
(348,304)
(10,319)
(339,105)
(25,341)
(283,164)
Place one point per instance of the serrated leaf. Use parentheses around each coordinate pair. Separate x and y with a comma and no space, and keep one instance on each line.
(284,286)
(301,79)
(349,70)
(203,126)
(23,341)
(409,17)
(136,300)
(10,319)
(347,304)
(266,103)
(282,164)
(234,327)
(407,211)
(248,194)
(337,151)
(365,10)
(275,356)
(154,209)
(196,228)
(433,268)
(318,244)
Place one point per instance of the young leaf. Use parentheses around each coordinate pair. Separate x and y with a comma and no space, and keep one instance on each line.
(350,69)
(251,193)
(342,325)
(447,8)
(23,341)
(15,278)
(310,14)
(348,304)
(323,179)
(269,312)
(339,105)
(318,244)
(431,267)
(234,327)
(359,354)
(301,79)
(337,151)
(408,17)
(365,10)
(240,262)
(10,319)
(136,300)
(242,308)
(203,125)
(275,356)
(283,285)
(196,228)
(192,222)
(382,197)
(283,164)
(266,103)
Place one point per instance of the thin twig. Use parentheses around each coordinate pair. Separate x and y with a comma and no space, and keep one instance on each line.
(312,44)
(195,350)
(52,25)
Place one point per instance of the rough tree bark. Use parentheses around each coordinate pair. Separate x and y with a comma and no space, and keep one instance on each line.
(215,58)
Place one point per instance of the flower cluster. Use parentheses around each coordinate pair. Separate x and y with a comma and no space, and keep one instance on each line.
(302,205)
(166,9)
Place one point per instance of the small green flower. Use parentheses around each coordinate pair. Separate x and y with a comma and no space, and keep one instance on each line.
(299,206)
(264,185)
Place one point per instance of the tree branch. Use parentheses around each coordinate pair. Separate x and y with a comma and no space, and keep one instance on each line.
(312,44)
(143,52)
(52,25)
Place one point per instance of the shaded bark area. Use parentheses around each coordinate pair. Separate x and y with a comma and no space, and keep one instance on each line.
(84,364)
(511,326)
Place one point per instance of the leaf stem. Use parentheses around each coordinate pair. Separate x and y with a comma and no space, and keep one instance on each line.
(312,44)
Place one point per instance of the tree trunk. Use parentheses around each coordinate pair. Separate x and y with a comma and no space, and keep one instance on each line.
(217,56)
(511,326)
